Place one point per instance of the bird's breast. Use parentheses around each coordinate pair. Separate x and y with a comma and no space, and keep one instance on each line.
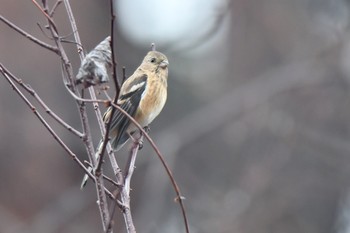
(151,104)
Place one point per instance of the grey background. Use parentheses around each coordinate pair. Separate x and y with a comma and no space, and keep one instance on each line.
(256,127)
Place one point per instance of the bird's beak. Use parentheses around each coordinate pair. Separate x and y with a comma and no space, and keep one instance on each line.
(164,64)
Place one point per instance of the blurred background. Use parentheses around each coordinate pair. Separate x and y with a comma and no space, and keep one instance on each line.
(256,127)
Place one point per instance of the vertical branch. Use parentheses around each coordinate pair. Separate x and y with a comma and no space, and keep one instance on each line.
(124,194)
(130,167)
(179,197)
(117,88)
(102,200)
(87,139)
(101,124)
(114,64)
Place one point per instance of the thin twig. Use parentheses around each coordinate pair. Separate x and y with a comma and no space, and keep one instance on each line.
(57,3)
(105,177)
(130,167)
(123,74)
(112,212)
(102,200)
(124,194)
(5,72)
(114,64)
(111,156)
(30,37)
(78,98)
(125,191)
(179,197)
(116,86)
(45,13)
(32,92)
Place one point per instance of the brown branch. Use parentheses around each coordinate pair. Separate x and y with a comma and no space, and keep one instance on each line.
(102,201)
(30,37)
(32,92)
(57,3)
(130,166)
(111,156)
(105,177)
(123,74)
(179,197)
(114,64)
(116,86)
(6,73)
(87,141)
(124,193)
(45,13)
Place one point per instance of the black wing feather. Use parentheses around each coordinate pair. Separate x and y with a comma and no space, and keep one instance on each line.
(120,121)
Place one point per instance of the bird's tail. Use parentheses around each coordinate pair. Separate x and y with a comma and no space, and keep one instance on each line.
(86,177)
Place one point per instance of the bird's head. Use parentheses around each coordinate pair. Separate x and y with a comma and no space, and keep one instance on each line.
(155,60)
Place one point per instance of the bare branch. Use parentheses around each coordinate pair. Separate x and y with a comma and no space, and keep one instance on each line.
(179,197)
(57,3)
(45,14)
(114,64)
(6,73)
(111,156)
(30,37)
(123,74)
(102,201)
(32,92)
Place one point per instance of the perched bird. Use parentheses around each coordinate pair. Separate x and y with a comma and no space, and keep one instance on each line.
(142,95)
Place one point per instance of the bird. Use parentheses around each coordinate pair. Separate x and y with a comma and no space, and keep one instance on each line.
(143,96)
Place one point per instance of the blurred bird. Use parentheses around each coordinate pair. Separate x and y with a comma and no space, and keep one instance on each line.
(143,96)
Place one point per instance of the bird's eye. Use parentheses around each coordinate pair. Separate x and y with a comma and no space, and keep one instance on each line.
(153,60)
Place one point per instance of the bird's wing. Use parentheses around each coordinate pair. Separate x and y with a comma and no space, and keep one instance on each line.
(129,101)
